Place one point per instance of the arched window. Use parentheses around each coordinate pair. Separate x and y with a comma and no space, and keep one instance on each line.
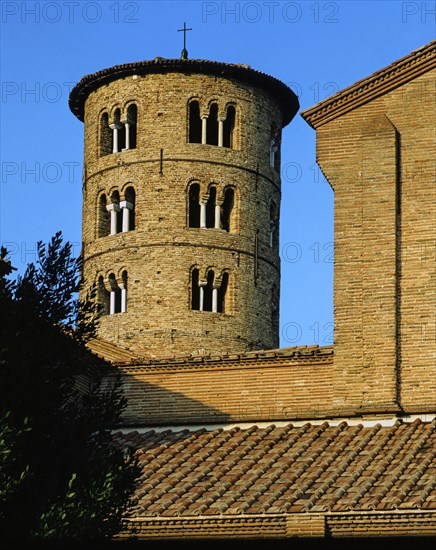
(272,153)
(221,305)
(206,295)
(129,129)
(104,219)
(208,291)
(103,297)
(105,135)
(118,133)
(273,225)
(127,207)
(210,213)
(194,122)
(211,208)
(195,290)
(274,149)
(194,205)
(121,134)
(212,125)
(115,213)
(115,295)
(229,126)
(118,294)
(123,288)
(226,209)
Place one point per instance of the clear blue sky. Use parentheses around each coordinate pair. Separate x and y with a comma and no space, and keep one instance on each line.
(315,47)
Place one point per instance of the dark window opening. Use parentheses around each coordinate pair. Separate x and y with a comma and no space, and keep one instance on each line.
(274,309)
(274,153)
(195,291)
(228,127)
(130,131)
(104,219)
(117,306)
(105,135)
(208,291)
(194,205)
(103,297)
(273,229)
(212,125)
(210,207)
(130,198)
(277,157)
(226,210)
(194,122)
(222,293)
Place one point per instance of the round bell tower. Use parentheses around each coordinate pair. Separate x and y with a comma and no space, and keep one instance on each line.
(181,203)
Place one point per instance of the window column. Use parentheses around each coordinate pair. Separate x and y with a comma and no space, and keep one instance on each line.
(127,124)
(214,299)
(217,224)
(126,207)
(220,132)
(202,214)
(113,209)
(204,130)
(201,285)
(115,127)
(113,294)
(123,288)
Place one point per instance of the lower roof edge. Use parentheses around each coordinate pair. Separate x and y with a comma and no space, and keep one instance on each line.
(353,524)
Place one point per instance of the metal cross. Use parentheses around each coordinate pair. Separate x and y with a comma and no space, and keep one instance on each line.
(184,51)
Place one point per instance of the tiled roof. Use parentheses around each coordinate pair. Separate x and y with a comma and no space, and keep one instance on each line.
(324,468)
(287,98)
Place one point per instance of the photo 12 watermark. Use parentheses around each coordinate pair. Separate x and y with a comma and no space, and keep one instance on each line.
(293,172)
(313,92)
(40,172)
(270,12)
(24,253)
(70,12)
(293,252)
(319,333)
(35,92)
(424,12)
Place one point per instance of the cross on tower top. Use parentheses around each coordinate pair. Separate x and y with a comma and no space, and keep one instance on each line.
(184,51)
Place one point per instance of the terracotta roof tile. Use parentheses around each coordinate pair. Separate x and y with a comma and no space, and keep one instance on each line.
(312,468)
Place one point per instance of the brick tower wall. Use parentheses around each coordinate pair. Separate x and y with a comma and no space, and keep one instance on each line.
(379,158)
(160,252)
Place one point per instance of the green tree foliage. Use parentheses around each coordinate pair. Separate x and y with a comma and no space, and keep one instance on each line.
(61,476)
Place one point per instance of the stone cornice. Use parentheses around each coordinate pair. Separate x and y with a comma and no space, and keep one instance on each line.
(405,69)
(257,359)
(286,98)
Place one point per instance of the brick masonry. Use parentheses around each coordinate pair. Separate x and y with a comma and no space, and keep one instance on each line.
(160,252)
(249,388)
(375,145)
